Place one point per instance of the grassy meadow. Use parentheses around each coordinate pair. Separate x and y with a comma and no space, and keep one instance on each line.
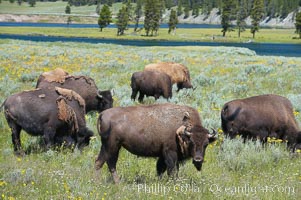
(264,35)
(232,169)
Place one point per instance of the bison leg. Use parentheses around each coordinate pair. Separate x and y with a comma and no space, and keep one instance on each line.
(102,158)
(110,157)
(16,130)
(180,86)
(134,94)
(141,96)
(112,166)
(161,167)
(49,135)
(171,161)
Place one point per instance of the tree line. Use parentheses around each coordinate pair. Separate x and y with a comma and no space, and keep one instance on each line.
(153,10)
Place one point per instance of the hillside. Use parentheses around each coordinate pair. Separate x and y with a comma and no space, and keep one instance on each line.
(54,12)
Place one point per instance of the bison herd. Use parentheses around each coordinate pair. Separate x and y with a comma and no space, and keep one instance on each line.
(172,133)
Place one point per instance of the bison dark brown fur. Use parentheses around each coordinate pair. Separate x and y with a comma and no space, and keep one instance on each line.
(44,112)
(152,131)
(151,83)
(260,117)
(95,99)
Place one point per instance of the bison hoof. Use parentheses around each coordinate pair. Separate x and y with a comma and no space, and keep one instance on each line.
(19,153)
(98,165)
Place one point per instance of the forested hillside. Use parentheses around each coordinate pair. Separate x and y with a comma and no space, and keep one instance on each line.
(272,8)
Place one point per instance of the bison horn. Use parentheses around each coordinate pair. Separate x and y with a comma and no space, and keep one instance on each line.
(183,130)
(212,135)
(187,133)
(99,95)
(186,116)
(112,92)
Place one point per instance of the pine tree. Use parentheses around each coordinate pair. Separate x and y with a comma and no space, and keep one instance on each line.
(153,12)
(68,9)
(186,12)
(32,3)
(180,8)
(241,16)
(173,21)
(298,24)
(228,8)
(138,13)
(257,13)
(122,20)
(105,17)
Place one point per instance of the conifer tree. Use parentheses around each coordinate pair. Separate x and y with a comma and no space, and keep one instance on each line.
(180,8)
(138,13)
(153,12)
(173,21)
(298,24)
(32,3)
(105,17)
(68,9)
(257,13)
(122,20)
(241,16)
(228,8)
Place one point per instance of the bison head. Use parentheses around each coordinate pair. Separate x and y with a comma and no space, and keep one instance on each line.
(194,141)
(105,100)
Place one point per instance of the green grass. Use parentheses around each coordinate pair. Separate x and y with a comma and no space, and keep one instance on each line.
(265,35)
(220,74)
(57,8)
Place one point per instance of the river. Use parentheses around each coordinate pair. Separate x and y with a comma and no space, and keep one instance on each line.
(269,49)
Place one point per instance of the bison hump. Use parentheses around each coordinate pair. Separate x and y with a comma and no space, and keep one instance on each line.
(58,75)
(69,94)
(66,114)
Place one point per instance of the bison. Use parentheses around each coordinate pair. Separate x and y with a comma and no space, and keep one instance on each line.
(173,133)
(95,99)
(260,117)
(151,83)
(56,115)
(179,73)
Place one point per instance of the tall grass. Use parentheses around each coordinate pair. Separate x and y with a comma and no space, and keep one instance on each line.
(232,169)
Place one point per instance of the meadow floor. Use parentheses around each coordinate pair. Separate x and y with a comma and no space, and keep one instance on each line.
(232,169)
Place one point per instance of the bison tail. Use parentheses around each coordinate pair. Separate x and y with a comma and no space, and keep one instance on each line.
(2,105)
(103,133)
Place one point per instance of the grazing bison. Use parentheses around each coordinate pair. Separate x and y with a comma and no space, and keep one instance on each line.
(57,115)
(84,86)
(261,117)
(179,73)
(173,133)
(151,83)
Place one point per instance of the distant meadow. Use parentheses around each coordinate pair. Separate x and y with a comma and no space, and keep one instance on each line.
(232,169)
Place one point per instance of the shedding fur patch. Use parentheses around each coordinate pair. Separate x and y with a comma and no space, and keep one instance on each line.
(186,127)
(58,75)
(67,114)
(69,94)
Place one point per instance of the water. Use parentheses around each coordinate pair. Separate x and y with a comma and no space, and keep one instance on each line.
(271,49)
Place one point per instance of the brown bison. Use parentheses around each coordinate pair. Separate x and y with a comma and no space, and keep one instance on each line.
(151,83)
(95,99)
(179,73)
(54,114)
(261,117)
(173,133)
